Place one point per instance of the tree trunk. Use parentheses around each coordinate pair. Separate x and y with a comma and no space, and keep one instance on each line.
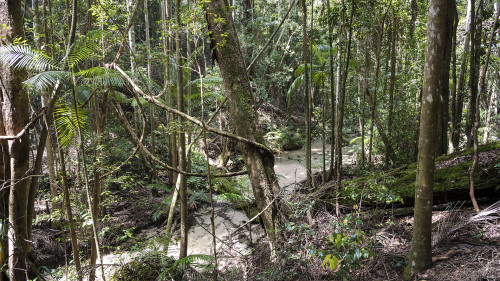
(340,108)
(491,110)
(182,137)
(14,117)
(332,93)
(459,95)
(307,95)
(475,33)
(443,113)
(260,163)
(477,122)
(420,257)
(389,150)
(393,81)
(69,213)
(154,174)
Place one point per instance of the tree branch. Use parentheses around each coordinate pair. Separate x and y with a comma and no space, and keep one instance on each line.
(123,119)
(184,115)
(28,126)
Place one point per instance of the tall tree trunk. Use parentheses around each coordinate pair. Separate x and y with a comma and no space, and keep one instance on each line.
(443,113)
(393,80)
(260,163)
(420,254)
(475,33)
(491,109)
(307,95)
(69,213)
(332,92)
(51,160)
(454,95)
(460,90)
(14,117)
(340,109)
(182,137)
(154,174)
(389,150)
(96,188)
(380,37)
(482,78)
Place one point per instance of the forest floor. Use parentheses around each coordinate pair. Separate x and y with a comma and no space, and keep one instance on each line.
(463,250)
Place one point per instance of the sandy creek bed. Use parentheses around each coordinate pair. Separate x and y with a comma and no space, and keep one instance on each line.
(233,247)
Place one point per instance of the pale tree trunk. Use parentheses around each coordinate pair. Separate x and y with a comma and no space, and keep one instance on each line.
(457,107)
(443,113)
(260,163)
(476,25)
(393,80)
(491,110)
(380,37)
(332,93)
(482,83)
(69,213)
(37,166)
(454,96)
(340,109)
(307,95)
(96,188)
(420,257)
(15,116)
(182,137)
(172,150)
(154,174)
(51,162)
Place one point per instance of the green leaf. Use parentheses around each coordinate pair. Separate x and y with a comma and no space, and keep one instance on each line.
(295,84)
(66,123)
(45,80)
(191,259)
(327,258)
(83,48)
(25,58)
(334,262)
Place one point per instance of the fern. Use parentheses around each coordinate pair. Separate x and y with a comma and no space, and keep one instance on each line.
(85,47)
(230,197)
(192,259)
(45,80)
(101,77)
(66,123)
(25,58)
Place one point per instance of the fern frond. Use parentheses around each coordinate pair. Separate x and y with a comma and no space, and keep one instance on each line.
(46,80)
(490,213)
(230,197)
(192,259)
(101,77)
(144,82)
(84,47)
(25,58)
(66,123)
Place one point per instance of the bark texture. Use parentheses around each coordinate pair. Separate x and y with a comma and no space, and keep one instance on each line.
(421,253)
(259,162)
(14,103)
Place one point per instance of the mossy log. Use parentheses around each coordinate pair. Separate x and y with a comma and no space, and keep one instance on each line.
(451,178)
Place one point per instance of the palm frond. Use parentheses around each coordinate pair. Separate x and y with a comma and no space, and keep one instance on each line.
(230,197)
(84,47)
(45,80)
(144,82)
(192,259)
(490,213)
(66,123)
(449,226)
(101,77)
(25,58)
